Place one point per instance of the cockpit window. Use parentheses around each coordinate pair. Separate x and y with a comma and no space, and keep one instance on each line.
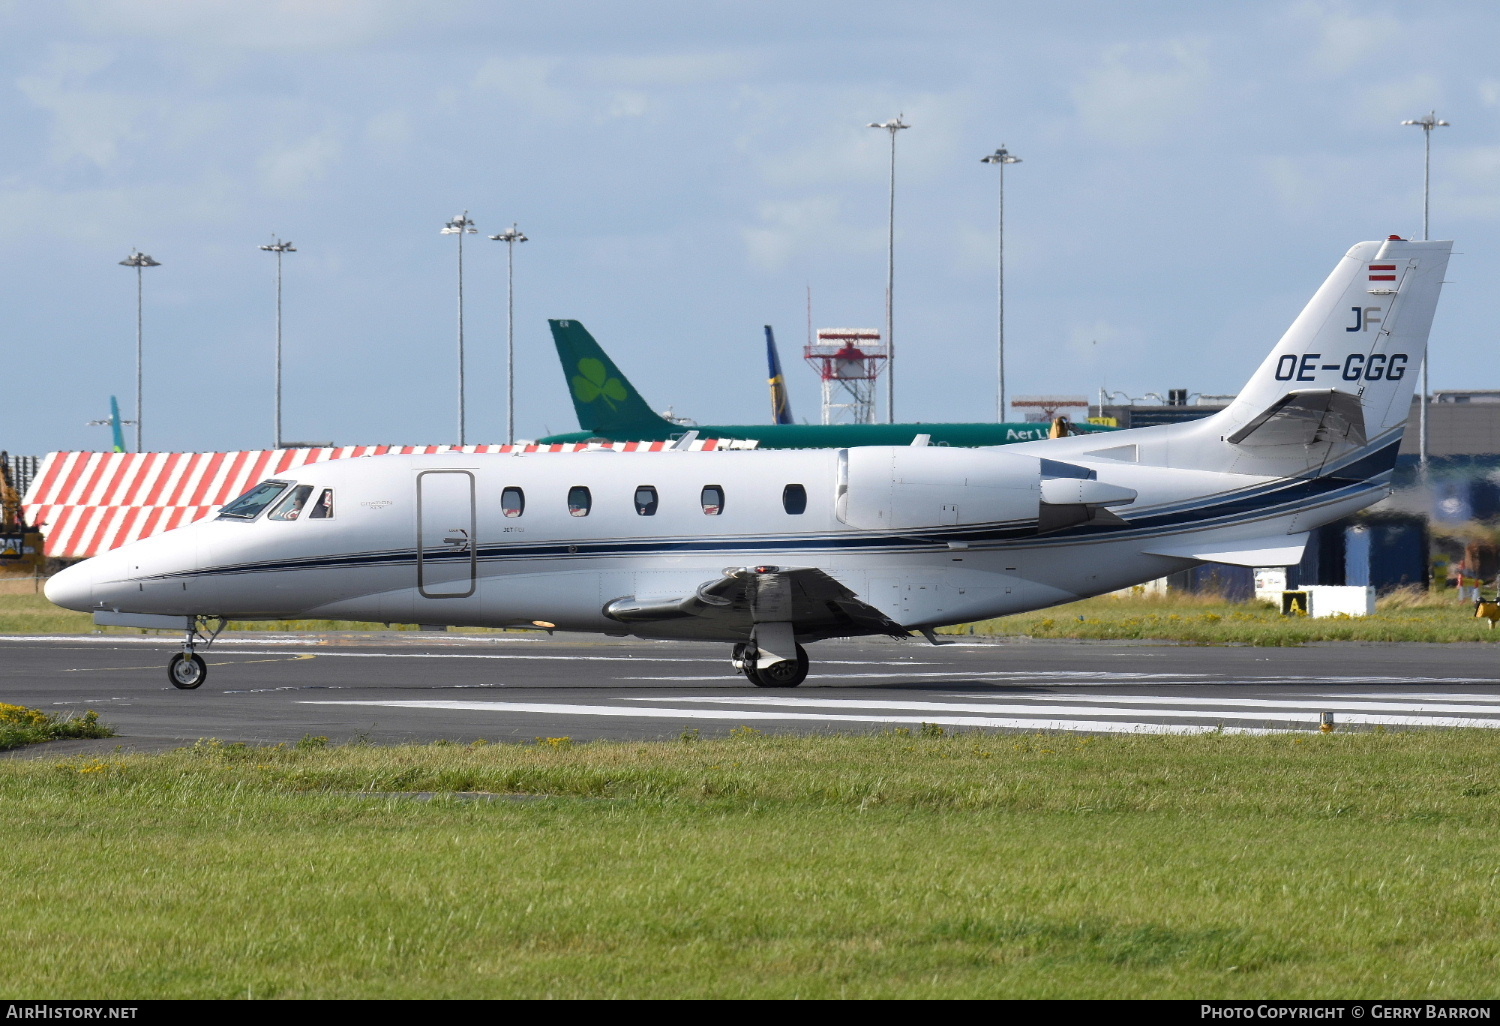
(323,508)
(290,508)
(249,505)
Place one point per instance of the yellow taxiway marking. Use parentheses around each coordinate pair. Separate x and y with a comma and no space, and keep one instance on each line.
(226,662)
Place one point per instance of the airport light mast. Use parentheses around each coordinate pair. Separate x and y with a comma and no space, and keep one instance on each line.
(1000,158)
(892,126)
(510,237)
(460,226)
(140,261)
(278,247)
(1427,124)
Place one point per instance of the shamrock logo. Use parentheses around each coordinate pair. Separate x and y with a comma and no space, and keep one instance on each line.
(593,382)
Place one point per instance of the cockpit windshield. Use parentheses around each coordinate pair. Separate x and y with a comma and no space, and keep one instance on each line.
(290,508)
(249,505)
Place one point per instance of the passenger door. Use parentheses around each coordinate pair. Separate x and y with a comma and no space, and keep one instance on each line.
(447,549)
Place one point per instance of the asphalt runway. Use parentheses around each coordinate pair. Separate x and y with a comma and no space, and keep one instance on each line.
(409,687)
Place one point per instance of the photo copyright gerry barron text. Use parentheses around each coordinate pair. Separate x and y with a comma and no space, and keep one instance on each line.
(1346,1010)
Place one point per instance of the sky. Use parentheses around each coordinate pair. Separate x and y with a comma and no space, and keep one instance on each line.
(687,172)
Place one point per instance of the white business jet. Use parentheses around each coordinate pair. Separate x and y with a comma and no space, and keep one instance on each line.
(769,550)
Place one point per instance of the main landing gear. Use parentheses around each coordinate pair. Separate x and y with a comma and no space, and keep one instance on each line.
(187,670)
(785,673)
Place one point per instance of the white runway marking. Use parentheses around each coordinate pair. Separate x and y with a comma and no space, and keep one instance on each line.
(741,715)
(1072,678)
(1269,709)
(1327,702)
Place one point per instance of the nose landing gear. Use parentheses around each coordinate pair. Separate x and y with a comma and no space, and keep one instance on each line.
(186,670)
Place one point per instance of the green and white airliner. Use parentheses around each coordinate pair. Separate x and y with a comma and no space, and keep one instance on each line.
(611,410)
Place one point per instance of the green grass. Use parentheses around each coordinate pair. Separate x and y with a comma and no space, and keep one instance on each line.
(22,726)
(884,866)
(1209,620)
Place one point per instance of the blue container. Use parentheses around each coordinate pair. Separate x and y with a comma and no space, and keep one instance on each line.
(1322,560)
(1386,553)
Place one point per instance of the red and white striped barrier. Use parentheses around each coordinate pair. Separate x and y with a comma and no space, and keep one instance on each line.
(86,503)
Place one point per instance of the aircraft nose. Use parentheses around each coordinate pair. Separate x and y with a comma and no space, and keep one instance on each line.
(72,588)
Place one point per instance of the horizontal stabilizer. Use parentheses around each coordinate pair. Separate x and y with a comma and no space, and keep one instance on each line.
(1305,417)
(1284,550)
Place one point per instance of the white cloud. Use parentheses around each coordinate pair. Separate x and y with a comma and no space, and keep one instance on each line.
(791,227)
(525,82)
(1140,93)
(1300,184)
(87,123)
(800,140)
(289,170)
(629,104)
(118,217)
(257,24)
(1472,186)
(1396,100)
(686,69)
(389,129)
(1348,37)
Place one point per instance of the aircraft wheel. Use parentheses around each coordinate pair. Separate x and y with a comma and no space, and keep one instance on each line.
(786,674)
(187,670)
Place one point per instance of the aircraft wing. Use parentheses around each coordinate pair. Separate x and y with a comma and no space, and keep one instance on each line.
(812,601)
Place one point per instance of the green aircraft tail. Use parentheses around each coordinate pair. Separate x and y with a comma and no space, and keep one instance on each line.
(604,399)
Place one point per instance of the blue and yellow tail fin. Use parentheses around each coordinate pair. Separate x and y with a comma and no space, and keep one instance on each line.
(781,404)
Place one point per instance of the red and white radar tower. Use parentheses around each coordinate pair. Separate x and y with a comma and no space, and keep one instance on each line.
(849,362)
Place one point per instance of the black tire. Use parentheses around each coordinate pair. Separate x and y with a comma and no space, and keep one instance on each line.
(187,670)
(786,674)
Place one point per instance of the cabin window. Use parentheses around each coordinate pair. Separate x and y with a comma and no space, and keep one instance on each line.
(579,501)
(712,500)
(249,505)
(794,499)
(512,502)
(290,508)
(645,501)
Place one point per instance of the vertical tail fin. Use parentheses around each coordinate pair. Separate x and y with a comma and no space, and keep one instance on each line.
(1351,358)
(114,423)
(604,399)
(781,404)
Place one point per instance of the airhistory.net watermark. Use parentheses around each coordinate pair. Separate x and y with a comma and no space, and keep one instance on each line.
(52,1010)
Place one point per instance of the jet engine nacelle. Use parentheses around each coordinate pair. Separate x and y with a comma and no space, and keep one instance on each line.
(881,488)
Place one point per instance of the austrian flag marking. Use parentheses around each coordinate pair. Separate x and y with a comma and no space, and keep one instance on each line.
(1376,268)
